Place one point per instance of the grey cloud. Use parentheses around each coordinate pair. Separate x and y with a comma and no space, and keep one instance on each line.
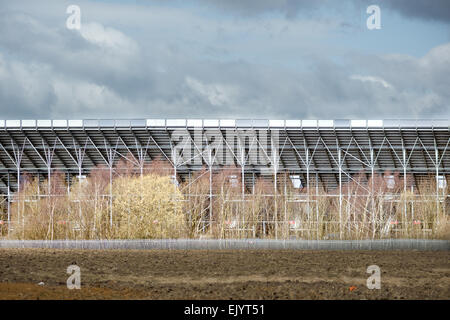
(289,8)
(48,71)
(438,10)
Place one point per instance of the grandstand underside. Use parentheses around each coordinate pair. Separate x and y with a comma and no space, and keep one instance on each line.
(327,151)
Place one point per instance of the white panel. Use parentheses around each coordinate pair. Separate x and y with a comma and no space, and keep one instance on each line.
(309,123)
(137,122)
(297,183)
(242,123)
(442,182)
(111,123)
(44,123)
(90,123)
(389,123)
(211,123)
(2,123)
(261,123)
(293,123)
(227,123)
(176,122)
(390,182)
(358,123)
(60,123)
(156,122)
(13,123)
(194,123)
(375,123)
(424,123)
(276,123)
(326,123)
(75,123)
(28,123)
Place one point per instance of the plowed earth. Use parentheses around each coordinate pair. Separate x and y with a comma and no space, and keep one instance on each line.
(234,274)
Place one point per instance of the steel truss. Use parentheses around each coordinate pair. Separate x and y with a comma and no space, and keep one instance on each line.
(325,154)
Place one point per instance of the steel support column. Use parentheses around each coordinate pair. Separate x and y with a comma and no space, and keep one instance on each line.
(340,192)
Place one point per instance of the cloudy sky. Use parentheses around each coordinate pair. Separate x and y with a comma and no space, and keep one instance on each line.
(277,59)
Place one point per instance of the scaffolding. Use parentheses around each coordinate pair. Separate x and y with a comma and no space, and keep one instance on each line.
(294,163)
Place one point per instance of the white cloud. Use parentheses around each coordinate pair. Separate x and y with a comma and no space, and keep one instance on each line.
(108,38)
(216,94)
(23,84)
(89,97)
(371,79)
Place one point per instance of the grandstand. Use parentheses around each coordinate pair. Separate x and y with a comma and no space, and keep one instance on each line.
(328,153)
(326,149)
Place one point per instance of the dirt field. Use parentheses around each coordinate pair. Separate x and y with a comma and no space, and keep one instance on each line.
(263,274)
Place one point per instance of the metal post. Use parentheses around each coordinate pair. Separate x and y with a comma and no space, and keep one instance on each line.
(253,183)
(68,182)
(253,197)
(243,173)
(9,203)
(307,182)
(404,186)
(243,186)
(18,193)
(174,157)
(49,188)
(340,192)
(111,154)
(412,202)
(372,194)
(210,189)
(437,183)
(286,224)
(141,158)
(348,205)
(39,186)
(110,196)
(275,172)
(317,204)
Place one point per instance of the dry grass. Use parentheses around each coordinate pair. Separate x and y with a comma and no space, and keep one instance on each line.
(146,203)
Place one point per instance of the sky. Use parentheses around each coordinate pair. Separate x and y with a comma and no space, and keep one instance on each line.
(261,59)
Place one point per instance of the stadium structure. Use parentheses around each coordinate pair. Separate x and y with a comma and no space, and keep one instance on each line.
(311,153)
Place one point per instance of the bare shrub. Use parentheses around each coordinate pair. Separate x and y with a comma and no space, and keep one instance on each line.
(159,167)
(147,207)
(39,208)
(196,204)
(145,200)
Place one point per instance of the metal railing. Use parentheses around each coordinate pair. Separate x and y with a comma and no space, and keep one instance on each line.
(225,123)
(233,244)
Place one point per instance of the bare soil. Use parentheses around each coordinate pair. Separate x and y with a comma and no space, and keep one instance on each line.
(234,274)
